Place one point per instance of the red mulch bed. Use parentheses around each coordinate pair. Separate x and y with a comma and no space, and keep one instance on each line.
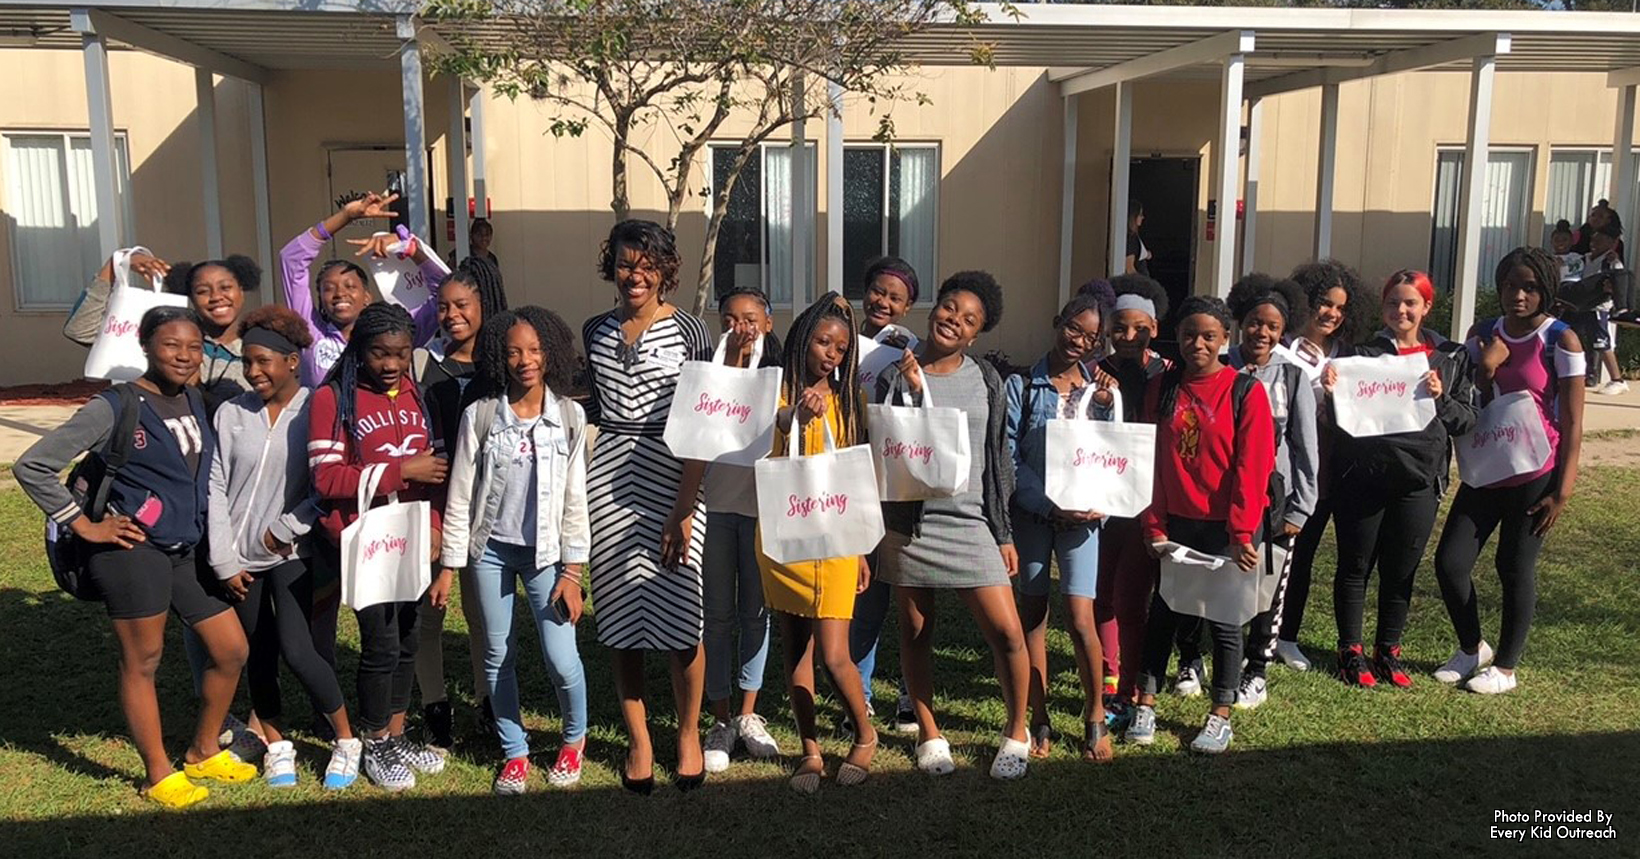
(56,394)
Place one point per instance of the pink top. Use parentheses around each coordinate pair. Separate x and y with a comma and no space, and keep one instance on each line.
(1529,369)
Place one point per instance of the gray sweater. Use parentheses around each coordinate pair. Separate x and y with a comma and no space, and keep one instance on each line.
(260,482)
(1298,445)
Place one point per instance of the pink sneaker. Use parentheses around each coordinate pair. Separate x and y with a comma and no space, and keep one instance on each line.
(513,778)
(566,771)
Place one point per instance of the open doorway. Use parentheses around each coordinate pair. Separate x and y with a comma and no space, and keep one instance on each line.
(1167,188)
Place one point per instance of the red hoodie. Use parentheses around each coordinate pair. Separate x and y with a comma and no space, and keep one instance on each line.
(1208,464)
(389,429)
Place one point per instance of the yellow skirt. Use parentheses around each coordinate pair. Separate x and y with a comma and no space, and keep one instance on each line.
(815,589)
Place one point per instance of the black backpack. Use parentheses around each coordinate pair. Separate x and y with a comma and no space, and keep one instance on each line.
(90,482)
(1275,492)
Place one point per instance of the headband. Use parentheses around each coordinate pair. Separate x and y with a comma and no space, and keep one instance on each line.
(909,283)
(269,338)
(1131,301)
(1274,299)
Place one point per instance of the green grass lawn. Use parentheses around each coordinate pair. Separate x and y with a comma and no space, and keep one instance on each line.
(1320,770)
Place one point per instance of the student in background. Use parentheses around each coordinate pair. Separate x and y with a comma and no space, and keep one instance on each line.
(1062,384)
(1605,254)
(1215,449)
(216,289)
(141,551)
(1137,257)
(1569,262)
(1524,350)
(730,583)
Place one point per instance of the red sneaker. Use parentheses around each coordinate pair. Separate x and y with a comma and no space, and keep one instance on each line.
(566,771)
(1386,663)
(513,778)
(1353,668)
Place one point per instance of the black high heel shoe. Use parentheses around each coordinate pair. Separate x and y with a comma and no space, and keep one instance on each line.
(640,786)
(688,783)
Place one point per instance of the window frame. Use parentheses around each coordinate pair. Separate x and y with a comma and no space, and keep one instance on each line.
(1528,204)
(1597,150)
(122,157)
(708,183)
(928,282)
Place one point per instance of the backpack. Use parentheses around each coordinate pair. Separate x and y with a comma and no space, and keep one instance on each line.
(1275,491)
(89,483)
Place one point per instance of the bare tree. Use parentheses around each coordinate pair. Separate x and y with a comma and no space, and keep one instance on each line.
(679,70)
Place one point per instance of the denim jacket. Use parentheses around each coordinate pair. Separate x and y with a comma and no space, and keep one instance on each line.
(563,533)
(1032,402)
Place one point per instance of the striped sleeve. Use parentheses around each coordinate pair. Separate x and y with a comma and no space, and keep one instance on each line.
(38,468)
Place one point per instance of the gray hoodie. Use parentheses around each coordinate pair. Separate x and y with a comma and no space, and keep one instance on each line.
(260,482)
(1298,455)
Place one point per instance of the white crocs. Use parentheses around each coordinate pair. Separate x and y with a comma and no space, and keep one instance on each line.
(934,757)
(1012,758)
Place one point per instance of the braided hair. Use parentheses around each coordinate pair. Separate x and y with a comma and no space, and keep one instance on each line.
(375,320)
(490,352)
(483,277)
(846,381)
(1543,266)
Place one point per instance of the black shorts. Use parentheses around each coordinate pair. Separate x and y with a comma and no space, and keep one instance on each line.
(144,581)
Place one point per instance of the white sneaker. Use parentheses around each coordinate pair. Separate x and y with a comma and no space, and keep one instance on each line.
(386,767)
(1289,654)
(754,734)
(1252,693)
(905,715)
(279,764)
(1463,665)
(1617,387)
(1491,681)
(720,742)
(1189,682)
(343,770)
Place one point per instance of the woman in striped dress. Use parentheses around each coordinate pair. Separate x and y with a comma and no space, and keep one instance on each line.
(648,519)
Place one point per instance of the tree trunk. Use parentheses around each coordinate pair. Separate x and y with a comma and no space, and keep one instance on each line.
(620,201)
(714,225)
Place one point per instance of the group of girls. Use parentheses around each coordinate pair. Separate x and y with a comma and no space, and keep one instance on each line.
(469,405)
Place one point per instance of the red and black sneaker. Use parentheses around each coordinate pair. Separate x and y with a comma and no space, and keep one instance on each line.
(1386,663)
(1353,668)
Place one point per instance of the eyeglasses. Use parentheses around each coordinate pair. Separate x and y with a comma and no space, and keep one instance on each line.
(644,267)
(1075,332)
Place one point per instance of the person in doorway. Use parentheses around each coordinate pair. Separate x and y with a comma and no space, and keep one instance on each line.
(1136,259)
(141,550)
(480,234)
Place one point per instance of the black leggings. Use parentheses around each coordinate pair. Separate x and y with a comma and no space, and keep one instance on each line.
(1261,633)
(387,661)
(1390,524)
(1303,562)
(1476,513)
(275,615)
(1162,629)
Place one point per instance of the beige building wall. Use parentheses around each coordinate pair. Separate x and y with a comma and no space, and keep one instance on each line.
(999,134)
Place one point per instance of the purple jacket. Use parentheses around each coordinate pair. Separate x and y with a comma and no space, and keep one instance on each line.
(295,263)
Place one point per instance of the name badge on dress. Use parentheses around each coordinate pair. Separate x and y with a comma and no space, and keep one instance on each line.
(669,358)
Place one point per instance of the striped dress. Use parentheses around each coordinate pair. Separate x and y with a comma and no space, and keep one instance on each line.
(632,482)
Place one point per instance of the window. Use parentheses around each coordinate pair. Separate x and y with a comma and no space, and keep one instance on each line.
(890,207)
(52,200)
(754,246)
(1505,204)
(1577,179)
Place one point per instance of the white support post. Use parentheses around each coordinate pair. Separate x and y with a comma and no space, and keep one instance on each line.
(1067,199)
(259,179)
(455,159)
(1121,164)
(1226,164)
(1249,224)
(1472,193)
(210,186)
(801,221)
(100,106)
(1621,193)
(481,199)
(1326,168)
(415,132)
(834,189)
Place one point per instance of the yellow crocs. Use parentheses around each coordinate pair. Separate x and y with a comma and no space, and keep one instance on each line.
(176,791)
(221,767)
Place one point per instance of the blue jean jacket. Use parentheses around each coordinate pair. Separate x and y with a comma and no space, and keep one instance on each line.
(1032,402)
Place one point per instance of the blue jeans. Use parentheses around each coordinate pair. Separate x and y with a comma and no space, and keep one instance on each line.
(870,613)
(733,595)
(496,576)
(1038,541)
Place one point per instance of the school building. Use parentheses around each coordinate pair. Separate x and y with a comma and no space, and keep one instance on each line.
(1256,138)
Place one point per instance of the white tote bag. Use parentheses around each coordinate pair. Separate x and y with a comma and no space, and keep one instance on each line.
(116,355)
(399,279)
(1383,395)
(813,508)
(721,413)
(1104,467)
(920,452)
(1196,584)
(876,356)
(387,551)
(1508,440)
